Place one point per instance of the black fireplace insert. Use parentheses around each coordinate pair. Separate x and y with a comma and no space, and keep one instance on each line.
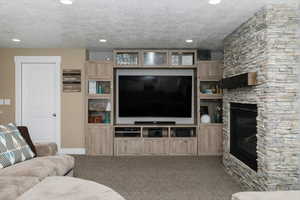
(243,130)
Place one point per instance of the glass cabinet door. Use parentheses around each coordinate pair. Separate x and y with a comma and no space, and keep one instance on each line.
(155,58)
(127,58)
(184,58)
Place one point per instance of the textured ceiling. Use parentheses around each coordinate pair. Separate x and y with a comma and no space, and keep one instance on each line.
(124,23)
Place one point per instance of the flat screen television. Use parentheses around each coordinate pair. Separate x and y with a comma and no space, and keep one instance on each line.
(154,95)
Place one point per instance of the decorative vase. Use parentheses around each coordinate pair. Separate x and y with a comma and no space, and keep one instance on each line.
(205,119)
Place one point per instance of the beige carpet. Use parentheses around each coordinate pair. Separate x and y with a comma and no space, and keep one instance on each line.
(160,178)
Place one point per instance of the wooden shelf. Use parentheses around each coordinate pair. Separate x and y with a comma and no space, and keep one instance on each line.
(157,67)
(155,126)
(97,77)
(239,81)
(209,80)
(211,124)
(99,124)
(210,96)
(99,96)
(71,80)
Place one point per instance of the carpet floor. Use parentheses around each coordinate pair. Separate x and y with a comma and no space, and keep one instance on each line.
(159,178)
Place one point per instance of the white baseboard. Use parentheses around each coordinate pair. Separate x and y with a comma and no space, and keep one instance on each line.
(76,151)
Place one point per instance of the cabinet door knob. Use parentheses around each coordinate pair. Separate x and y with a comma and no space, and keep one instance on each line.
(54,114)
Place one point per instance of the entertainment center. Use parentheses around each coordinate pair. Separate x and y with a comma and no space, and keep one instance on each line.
(150,102)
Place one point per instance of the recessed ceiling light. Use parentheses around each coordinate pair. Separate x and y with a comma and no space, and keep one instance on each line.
(188,41)
(214,2)
(102,40)
(16,40)
(66,2)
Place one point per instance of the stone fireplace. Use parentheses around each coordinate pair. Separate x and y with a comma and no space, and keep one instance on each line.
(243,139)
(267,44)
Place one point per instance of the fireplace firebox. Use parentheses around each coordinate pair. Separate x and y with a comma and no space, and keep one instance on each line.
(243,130)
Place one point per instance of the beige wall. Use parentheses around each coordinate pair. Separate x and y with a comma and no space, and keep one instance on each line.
(72,105)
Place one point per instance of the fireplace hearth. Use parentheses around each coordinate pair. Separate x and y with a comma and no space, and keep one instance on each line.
(243,130)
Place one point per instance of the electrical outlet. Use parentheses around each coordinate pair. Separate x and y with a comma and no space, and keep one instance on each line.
(7,101)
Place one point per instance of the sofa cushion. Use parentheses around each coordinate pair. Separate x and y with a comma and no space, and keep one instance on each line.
(13,147)
(46,149)
(41,167)
(13,187)
(63,188)
(62,164)
(277,195)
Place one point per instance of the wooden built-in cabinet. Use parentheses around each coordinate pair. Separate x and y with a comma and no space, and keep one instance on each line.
(99,140)
(210,97)
(183,146)
(156,146)
(210,70)
(135,140)
(210,139)
(155,58)
(128,146)
(103,137)
(99,108)
(99,69)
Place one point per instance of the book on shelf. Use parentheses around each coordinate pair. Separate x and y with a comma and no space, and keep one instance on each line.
(96,87)
(92,87)
(99,88)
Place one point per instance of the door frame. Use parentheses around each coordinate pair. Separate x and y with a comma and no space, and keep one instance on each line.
(19,60)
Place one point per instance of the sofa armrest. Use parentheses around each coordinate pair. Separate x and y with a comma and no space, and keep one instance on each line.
(45,149)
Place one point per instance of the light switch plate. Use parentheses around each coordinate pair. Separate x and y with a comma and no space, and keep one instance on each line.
(1,101)
(7,101)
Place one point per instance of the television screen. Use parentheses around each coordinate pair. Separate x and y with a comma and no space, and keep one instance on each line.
(155,96)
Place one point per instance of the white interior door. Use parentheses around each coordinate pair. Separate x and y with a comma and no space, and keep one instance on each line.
(38,98)
(39,101)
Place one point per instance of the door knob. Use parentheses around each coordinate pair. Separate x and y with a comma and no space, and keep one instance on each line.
(54,114)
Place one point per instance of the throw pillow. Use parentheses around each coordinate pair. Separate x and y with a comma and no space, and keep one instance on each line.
(13,147)
(25,134)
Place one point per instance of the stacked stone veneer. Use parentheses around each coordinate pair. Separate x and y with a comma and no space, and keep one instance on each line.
(269,45)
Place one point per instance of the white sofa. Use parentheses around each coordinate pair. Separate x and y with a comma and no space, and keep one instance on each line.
(18,178)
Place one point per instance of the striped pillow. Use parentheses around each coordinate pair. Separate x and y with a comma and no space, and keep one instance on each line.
(13,147)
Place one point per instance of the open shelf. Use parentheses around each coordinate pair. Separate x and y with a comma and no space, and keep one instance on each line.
(71,80)
(210,96)
(211,108)
(153,126)
(99,88)
(211,124)
(212,88)
(180,132)
(99,111)
(128,132)
(153,132)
